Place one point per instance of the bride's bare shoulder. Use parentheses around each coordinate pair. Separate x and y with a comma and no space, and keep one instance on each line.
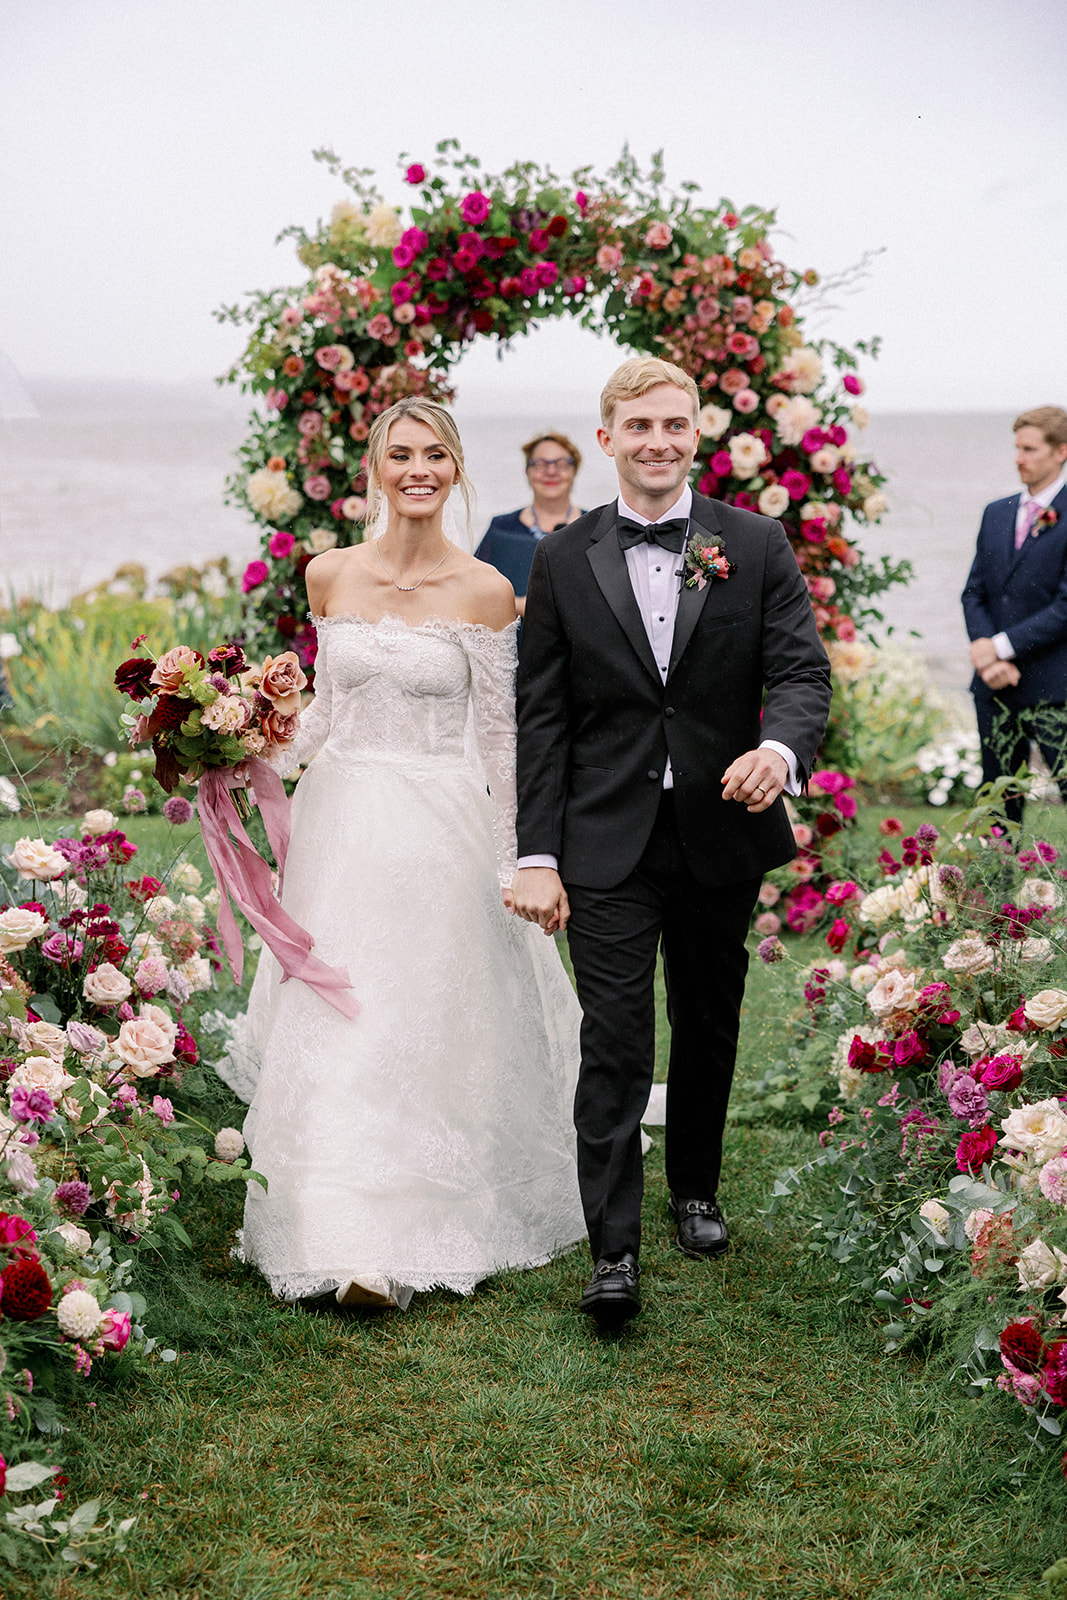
(489,597)
(324,571)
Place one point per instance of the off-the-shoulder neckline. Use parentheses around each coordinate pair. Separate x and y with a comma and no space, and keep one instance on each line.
(428,624)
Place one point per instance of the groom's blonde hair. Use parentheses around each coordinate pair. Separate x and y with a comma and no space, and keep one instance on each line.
(636,377)
(439,421)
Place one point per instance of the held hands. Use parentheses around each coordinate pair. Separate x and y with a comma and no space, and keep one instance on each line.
(537,895)
(994,673)
(756,779)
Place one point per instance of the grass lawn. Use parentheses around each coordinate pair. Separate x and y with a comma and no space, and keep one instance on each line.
(746,1439)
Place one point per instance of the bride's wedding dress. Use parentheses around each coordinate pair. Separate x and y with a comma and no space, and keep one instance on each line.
(429,1141)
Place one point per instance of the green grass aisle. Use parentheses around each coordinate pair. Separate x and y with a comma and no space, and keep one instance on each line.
(742,1440)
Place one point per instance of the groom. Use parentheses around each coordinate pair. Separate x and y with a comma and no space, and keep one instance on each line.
(649,797)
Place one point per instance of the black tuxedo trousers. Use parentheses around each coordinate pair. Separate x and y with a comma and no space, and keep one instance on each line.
(614,936)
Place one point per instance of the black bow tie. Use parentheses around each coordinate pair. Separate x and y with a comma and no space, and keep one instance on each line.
(670,534)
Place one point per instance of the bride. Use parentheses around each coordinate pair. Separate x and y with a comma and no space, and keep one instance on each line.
(427,1143)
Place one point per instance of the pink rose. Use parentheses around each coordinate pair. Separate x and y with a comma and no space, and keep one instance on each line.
(733,381)
(574,285)
(281,728)
(170,670)
(114,1330)
(277,399)
(529,280)
(143,1046)
(767,924)
(845,628)
(475,208)
(722,463)
(539,239)
(310,423)
(317,487)
(659,236)
(379,326)
(746,400)
(281,682)
(1002,1072)
(280,544)
(256,572)
(547,273)
(796,484)
(415,173)
(608,257)
(106,986)
(853,384)
(403,256)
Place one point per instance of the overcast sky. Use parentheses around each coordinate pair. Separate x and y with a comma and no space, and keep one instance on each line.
(150,151)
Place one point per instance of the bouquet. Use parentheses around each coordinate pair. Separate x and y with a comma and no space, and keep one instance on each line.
(217,723)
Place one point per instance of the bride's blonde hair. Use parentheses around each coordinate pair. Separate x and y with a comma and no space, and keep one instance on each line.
(440,422)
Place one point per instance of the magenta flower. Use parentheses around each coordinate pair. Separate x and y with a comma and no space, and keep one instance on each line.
(539,239)
(475,208)
(416,173)
(842,481)
(967,1099)
(1003,1073)
(31,1105)
(722,463)
(975,1149)
(401,293)
(853,384)
(574,285)
(796,484)
(547,273)
(281,544)
(163,1109)
(73,1197)
(581,201)
(771,950)
(256,572)
(813,440)
(62,948)
(436,269)
(177,810)
(403,256)
(530,280)
(114,1330)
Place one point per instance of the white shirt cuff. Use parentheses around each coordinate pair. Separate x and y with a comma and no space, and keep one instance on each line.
(537,861)
(792,782)
(1003,646)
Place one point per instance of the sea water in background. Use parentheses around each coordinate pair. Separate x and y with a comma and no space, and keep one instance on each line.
(120,472)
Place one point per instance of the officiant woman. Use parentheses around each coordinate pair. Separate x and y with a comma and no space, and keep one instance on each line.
(510,540)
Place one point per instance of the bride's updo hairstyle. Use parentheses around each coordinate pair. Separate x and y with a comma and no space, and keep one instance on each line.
(440,422)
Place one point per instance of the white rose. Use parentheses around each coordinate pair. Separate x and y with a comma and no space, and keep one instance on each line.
(773,500)
(227,714)
(803,368)
(849,1080)
(143,1046)
(95,822)
(875,505)
(984,1038)
(1040,1267)
(861,979)
(1047,1008)
(383,227)
(969,955)
(79,1315)
(40,1035)
(197,973)
(145,944)
(893,991)
(976,1220)
(160,908)
(32,858)
(346,214)
(860,416)
(229,1144)
(41,1072)
(825,460)
(794,417)
(77,1239)
(107,986)
(1035,892)
(881,904)
(192,909)
(186,876)
(162,1019)
(747,454)
(714,421)
(69,896)
(1036,951)
(320,539)
(270,495)
(1040,1129)
(933,1212)
(212,899)
(18,928)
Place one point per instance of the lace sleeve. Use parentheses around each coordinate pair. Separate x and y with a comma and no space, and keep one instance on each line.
(314,722)
(492,659)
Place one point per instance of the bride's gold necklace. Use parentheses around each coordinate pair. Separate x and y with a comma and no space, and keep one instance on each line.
(408,588)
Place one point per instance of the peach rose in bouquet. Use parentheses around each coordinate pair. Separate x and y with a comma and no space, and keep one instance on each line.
(281,681)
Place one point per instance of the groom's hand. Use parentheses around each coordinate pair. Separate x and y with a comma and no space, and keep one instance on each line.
(538,895)
(756,779)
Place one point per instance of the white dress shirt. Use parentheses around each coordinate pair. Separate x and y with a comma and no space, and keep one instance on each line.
(1044,497)
(656,577)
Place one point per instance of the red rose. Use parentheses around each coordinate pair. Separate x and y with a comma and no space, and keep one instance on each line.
(975,1149)
(132,676)
(864,1057)
(144,888)
(1003,1072)
(1023,1346)
(27,1291)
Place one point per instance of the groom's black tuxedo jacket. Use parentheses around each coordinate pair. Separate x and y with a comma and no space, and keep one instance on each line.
(596,722)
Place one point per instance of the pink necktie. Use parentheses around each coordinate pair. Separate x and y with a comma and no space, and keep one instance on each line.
(1030,511)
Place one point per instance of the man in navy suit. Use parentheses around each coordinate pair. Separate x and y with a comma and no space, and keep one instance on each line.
(1015,604)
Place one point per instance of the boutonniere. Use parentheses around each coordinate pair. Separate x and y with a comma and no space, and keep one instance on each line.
(705,559)
(1044,519)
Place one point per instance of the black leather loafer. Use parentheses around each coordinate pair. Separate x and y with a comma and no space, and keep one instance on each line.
(611,1296)
(702,1229)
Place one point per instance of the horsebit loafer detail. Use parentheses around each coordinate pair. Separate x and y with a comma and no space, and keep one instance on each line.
(702,1229)
(611,1295)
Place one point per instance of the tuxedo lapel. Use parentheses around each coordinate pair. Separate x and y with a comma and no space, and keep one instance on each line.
(611,573)
(691,600)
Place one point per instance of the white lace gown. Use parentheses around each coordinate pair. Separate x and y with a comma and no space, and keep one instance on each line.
(430,1140)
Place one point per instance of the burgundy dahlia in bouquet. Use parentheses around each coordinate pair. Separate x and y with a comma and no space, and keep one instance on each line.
(200,715)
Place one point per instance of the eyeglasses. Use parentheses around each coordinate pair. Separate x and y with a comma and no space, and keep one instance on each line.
(542,464)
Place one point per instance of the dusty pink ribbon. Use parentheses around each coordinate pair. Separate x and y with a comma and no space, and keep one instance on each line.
(244,877)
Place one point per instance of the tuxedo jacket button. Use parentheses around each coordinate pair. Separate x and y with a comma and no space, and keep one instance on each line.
(668,711)
(653,774)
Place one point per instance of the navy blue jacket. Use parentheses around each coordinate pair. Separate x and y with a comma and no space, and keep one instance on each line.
(1023,594)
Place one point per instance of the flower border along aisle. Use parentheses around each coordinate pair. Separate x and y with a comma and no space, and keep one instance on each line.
(941,1190)
(393,304)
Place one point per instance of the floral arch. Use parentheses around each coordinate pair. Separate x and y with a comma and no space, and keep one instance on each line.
(392,303)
